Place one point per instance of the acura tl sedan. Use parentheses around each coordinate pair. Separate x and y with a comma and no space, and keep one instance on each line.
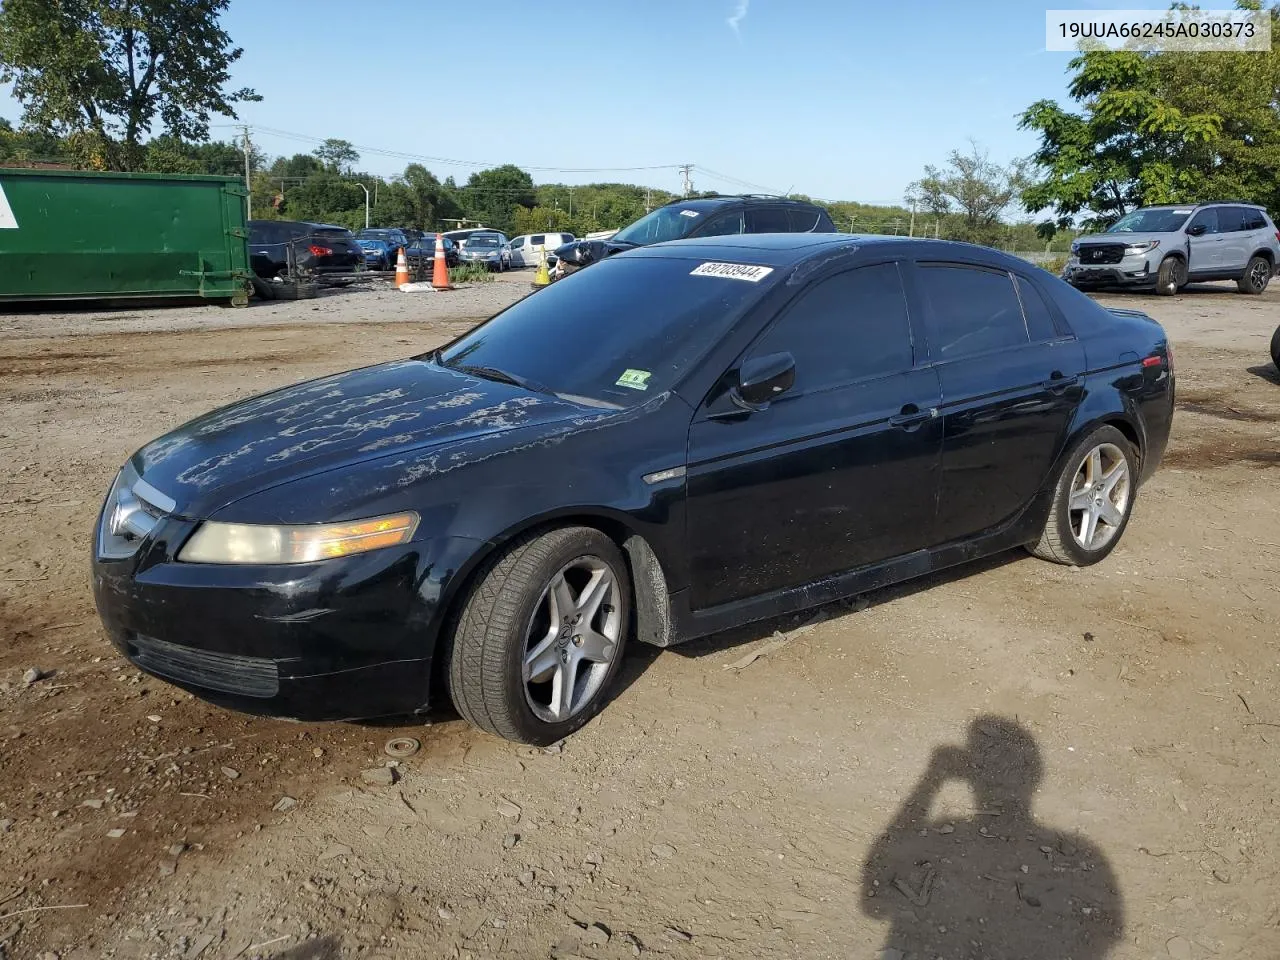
(687,437)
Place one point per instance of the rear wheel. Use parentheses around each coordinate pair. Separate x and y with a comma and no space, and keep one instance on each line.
(1171,277)
(1257,274)
(1092,500)
(541,636)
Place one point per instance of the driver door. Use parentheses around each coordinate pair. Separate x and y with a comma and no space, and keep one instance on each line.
(1204,253)
(839,472)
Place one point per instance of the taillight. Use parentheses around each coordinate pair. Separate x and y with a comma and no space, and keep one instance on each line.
(1151,361)
(319,251)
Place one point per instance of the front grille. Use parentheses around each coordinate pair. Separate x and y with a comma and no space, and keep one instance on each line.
(225,672)
(1102,253)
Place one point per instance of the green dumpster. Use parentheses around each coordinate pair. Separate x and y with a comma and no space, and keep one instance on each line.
(75,235)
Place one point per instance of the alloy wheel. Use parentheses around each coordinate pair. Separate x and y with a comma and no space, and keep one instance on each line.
(1100,496)
(572,639)
(1260,274)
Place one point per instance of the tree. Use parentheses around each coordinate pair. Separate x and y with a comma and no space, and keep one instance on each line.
(972,191)
(166,154)
(1158,128)
(338,156)
(491,196)
(103,72)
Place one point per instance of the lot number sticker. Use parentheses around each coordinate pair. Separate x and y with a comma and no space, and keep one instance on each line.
(733,271)
(7,220)
(635,379)
(688,213)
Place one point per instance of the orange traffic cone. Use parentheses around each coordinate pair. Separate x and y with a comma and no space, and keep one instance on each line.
(402,269)
(440,275)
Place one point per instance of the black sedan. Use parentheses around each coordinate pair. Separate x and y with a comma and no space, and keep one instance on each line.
(296,249)
(686,437)
(421,253)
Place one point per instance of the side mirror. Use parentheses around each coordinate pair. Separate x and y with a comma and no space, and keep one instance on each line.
(761,380)
(1195,230)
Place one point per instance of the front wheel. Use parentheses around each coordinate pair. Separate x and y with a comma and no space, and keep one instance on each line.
(1171,276)
(541,636)
(1275,348)
(1257,274)
(1092,500)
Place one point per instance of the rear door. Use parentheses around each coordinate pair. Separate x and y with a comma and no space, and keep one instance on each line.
(1233,223)
(1011,377)
(1205,251)
(837,473)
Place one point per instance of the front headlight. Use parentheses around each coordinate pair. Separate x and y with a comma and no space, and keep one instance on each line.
(1136,248)
(1075,246)
(215,542)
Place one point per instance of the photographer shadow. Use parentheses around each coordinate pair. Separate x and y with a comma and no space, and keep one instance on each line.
(994,885)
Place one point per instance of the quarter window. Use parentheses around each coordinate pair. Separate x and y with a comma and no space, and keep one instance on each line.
(1039,319)
(848,327)
(538,240)
(972,310)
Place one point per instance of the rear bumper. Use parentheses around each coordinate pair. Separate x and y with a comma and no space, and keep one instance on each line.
(335,640)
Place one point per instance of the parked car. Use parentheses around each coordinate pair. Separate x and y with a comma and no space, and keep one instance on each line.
(1275,348)
(378,254)
(394,237)
(487,248)
(411,234)
(460,237)
(758,428)
(320,251)
(421,253)
(527,250)
(1166,247)
(704,217)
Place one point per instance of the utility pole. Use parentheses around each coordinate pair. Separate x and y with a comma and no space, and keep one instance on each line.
(571,202)
(248,173)
(366,204)
(911,232)
(686,175)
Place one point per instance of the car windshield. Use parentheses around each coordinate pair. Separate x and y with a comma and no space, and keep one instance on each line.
(666,223)
(1163,220)
(618,334)
(478,242)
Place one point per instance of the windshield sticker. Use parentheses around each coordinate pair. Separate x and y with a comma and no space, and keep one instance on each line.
(635,379)
(1188,210)
(734,271)
(688,213)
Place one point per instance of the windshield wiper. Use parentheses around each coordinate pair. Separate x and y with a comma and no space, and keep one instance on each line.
(502,376)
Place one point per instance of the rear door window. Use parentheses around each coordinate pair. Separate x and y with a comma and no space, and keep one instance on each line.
(768,220)
(849,327)
(1251,218)
(803,220)
(972,310)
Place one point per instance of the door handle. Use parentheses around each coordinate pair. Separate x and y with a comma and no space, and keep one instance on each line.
(1058,382)
(911,417)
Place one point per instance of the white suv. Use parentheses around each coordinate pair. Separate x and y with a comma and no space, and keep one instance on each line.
(1167,247)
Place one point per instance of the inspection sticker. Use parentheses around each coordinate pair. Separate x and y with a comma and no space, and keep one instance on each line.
(688,213)
(734,271)
(635,379)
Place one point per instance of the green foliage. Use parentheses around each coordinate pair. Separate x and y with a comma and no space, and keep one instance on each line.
(971,192)
(338,156)
(167,154)
(470,273)
(1159,128)
(101,73)
(492,196)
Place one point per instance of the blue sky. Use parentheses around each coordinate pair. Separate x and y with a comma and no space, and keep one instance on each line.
(840,99)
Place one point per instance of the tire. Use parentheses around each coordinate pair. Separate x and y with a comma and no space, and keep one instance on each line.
(295,290)
(1060,541)
(1275,348)
(1257,274)
(506,620)
(1171,277)
(262,288)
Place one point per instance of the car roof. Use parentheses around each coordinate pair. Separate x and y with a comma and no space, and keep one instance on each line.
(708,203)
(789,249)
(1205,203)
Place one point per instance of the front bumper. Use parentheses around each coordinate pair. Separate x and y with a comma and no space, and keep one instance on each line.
(1134,271)
(333,640)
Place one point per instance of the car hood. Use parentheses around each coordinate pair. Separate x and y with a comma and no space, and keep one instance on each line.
(1166,239)
(324,424)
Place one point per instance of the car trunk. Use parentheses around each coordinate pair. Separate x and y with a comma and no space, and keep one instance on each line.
(343,256)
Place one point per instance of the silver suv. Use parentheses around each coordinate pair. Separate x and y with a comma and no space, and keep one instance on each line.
(1166,247)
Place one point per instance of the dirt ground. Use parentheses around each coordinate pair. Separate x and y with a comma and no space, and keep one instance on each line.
(1012,760)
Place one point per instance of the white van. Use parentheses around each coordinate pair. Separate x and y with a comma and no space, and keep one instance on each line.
(527,250)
